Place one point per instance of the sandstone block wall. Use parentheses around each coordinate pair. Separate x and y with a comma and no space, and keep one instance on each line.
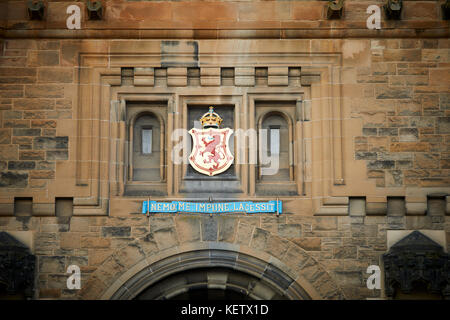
(395,110)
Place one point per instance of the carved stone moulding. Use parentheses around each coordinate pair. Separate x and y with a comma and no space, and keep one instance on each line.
(393,9)
(416,258)
(446,10)
(35,9)
(17,266)
(335,9)
(95,10)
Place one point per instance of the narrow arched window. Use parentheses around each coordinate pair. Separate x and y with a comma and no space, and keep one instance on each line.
(274,148)
(146,144)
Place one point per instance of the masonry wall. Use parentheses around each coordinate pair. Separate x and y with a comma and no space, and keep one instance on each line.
(395,130)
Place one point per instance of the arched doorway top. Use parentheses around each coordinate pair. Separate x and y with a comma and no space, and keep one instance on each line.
(280,282)
(137,265)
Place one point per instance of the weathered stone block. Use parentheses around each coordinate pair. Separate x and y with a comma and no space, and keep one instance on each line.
(32,155)
(16,123)
(58,75)
(160,222)
(259,239)
(46,143)
(109,232)
(5,136)
(290,230)
(393,93)
(166,238)
(13,180)
(95,242)
(43,124)
(381,164)
(244,233)
(328,223)
(209,229)
(79,224)
(26,132)
(57,155)
(34,104)
(70,240)
(427,160)
(21,165)
(409,146)
(408,134)
(9,152)
(345,253)
(309,244)
(277,246)
(42,174)
(43,58)
(52,264)
(188,228)
(130,255)
(365,155)
(443,125)
(402,55)
(44,91)
(227,228)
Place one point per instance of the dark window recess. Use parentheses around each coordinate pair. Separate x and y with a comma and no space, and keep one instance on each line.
(146,149)
(23,207)
(64,207)
(277,146)
(160,77)
(436,205)
(193,76)
(127,76)
(396,206)
(261,76)
(294,76)
(227,76)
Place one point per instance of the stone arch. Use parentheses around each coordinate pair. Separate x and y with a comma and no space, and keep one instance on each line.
(283,114)
(160,253)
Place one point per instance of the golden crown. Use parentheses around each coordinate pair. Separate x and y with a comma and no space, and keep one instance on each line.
(211,119)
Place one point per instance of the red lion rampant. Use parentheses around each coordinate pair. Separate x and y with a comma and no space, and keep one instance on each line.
(210,146)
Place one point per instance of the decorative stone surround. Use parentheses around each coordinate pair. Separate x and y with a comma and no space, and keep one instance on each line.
(254,250)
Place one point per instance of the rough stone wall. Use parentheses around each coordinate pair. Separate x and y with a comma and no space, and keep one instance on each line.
(403,101)
(339,247)
(33,101)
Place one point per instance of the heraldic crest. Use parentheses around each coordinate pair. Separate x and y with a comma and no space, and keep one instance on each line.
(210,152)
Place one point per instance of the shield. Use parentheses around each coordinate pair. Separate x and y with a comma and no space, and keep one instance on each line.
(210,152)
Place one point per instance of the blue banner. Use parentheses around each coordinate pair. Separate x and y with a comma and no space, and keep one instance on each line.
(274,206)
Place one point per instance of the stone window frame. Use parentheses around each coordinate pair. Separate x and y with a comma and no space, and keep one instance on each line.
(97,169)
(123,96)
(131,129)
(290,125)
(296,131)
(207,99)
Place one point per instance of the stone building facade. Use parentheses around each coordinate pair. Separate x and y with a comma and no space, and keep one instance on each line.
(363,117)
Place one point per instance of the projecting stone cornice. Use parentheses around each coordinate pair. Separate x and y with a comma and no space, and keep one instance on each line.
(224,20)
